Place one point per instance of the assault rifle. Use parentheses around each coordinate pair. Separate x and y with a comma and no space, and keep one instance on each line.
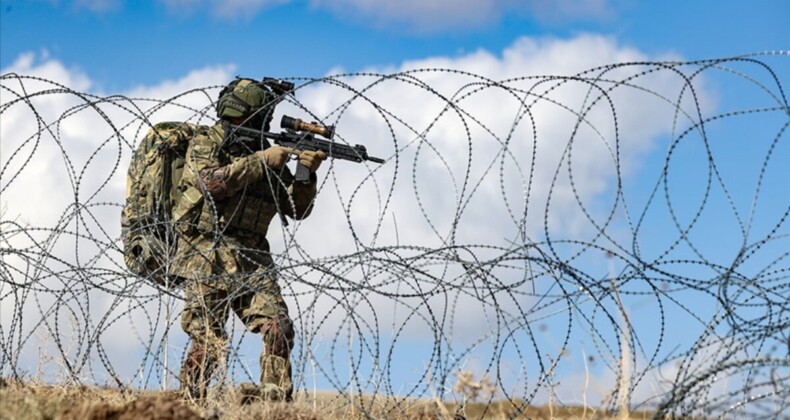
(298,135)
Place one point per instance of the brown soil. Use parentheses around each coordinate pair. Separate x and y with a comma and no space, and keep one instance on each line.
(147,407)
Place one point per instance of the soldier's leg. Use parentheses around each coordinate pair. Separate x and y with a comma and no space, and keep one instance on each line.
(264,311)
(203,319)
(278,336)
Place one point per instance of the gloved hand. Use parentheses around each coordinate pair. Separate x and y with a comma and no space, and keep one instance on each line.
(312,159)
(274,157)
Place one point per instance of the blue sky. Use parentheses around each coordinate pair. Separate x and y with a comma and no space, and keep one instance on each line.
(149,49)
(121,44)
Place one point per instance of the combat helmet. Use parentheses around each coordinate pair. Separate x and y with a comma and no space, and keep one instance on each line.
(248,99)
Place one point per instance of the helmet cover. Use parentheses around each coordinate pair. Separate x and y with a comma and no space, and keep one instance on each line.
(242,98)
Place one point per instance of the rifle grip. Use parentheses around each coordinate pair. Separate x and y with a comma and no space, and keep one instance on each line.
(302,174)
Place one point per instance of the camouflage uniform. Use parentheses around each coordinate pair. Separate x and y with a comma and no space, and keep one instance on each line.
(222,218)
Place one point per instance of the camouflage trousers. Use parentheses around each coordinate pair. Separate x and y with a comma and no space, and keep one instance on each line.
(256,299)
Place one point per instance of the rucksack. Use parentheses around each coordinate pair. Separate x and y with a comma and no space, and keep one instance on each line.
(147,233)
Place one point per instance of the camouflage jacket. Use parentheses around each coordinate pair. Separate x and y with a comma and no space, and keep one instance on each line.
(226,206)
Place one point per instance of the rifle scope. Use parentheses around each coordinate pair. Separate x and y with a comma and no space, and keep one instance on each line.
(299,125)
(280,87)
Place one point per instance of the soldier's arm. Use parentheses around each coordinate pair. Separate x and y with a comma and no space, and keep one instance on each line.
(206,172)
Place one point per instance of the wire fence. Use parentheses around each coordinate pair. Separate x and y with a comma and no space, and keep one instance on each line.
(617,237)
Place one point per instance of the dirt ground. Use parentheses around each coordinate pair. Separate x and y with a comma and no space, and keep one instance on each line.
(40,401)
(31,401)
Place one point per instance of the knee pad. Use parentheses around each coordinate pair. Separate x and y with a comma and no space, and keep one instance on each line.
(278,335)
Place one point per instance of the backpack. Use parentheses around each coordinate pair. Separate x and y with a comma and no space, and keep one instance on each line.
(149,240)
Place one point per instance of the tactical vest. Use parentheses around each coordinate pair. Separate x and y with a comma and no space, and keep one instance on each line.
(250,209)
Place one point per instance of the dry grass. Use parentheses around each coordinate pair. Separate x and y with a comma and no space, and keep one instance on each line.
(32,401)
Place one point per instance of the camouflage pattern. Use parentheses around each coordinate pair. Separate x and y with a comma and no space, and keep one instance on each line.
(257,301)
(227,203)
(154,173)
(242,98)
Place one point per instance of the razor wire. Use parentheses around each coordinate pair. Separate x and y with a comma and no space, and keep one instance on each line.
(622,226)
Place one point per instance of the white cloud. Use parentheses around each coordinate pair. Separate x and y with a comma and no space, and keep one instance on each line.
(429,191)
(450,187)
(79,155)
(446,196)
(714,373)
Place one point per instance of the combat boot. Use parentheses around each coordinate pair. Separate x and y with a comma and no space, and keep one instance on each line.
(276,384)
(278,335)
(248,393)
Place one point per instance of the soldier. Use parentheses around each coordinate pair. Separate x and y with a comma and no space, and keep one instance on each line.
(230,195)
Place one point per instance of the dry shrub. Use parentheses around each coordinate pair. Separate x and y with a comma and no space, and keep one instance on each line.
(31,401)
(274,411)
